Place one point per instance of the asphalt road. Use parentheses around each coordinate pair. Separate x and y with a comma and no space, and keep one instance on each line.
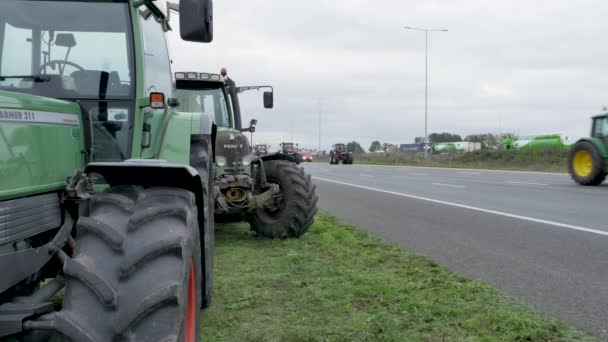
(538,237)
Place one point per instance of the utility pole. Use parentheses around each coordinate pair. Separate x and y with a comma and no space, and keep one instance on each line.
(426,81)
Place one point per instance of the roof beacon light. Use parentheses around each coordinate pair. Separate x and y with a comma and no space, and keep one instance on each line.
(192,76)
(180,75)
(205,76)
(224,72)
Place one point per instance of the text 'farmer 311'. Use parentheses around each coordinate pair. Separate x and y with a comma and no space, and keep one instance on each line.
(86,95)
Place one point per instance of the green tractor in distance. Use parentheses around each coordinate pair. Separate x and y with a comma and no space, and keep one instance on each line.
(269,191)
(86,95)
(588,162)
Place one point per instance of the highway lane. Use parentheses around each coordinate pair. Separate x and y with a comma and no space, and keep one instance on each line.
(536,236)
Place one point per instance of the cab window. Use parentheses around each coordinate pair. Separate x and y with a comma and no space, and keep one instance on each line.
(600,127)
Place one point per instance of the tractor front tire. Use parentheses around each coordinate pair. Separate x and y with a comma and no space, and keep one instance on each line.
(586,165)
(291,213)
(135,274)
(349,159)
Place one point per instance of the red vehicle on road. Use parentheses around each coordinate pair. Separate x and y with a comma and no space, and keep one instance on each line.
(306,156)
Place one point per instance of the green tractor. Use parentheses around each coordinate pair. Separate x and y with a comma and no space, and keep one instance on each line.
(588,162)
(105,190)
(270,192)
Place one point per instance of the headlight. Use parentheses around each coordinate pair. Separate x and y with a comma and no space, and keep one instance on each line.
(246,162)
(220,161)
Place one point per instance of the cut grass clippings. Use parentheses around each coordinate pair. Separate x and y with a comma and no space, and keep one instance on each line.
(339,283)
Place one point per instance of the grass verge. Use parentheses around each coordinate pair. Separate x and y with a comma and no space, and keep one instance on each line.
(339,283)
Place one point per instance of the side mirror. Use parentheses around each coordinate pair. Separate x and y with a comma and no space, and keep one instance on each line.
(196,20)
(268,99)
(173,102)
(251,127)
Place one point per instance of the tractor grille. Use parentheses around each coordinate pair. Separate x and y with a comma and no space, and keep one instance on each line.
(232,149)
(26,217)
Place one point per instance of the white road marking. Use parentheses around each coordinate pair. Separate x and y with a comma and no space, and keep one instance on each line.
(469,173)
(474,170)
(364,175)
(449,185)
(525,183)
(488,211)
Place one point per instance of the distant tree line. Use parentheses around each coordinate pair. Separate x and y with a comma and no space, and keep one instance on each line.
(489,141)
(377,146)
(355,148)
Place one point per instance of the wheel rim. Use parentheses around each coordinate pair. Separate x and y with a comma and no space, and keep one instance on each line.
(190,329)
(583,163)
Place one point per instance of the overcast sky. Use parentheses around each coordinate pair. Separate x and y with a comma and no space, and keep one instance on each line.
(528,67)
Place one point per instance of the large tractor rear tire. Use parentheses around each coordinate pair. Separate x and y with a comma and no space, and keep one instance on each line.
(586,165)
(292,212)
(201,152)
(135,274)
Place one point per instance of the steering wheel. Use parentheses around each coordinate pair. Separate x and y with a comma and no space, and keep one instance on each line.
(43,66)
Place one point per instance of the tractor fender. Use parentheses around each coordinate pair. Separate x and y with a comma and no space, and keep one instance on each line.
(278,156)
(207,127)
(150,172)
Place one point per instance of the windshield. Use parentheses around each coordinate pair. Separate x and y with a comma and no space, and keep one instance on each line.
(212,101)
(601,127)
(76,51)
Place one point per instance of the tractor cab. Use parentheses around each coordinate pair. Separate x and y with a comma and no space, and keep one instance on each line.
(600,127)
(289,148)
(340,148)
(261,149)
(205,92)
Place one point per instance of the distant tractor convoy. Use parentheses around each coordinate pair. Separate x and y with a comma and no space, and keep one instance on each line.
(86,95)
(588,161)
(339,154)
(269,191)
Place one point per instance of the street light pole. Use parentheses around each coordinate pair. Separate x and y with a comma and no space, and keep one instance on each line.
(426,92)
(426,81)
